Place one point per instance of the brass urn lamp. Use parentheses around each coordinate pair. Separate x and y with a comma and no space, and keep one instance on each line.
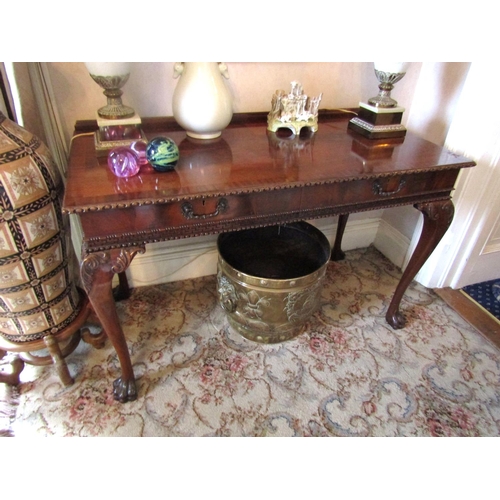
(118,124)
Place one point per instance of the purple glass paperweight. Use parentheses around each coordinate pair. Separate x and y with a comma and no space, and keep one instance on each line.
(139,148)
(123,162)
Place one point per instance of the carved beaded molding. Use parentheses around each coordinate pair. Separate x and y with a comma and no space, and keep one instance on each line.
(140,238)
(161,201)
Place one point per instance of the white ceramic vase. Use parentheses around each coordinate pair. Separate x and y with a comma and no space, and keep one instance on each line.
(201,102)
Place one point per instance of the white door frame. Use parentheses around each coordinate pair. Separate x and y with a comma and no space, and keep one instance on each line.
(465,254)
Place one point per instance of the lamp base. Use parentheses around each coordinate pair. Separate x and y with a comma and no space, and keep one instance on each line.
(378,123)
(118,132)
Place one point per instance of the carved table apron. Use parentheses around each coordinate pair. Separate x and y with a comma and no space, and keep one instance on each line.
(248,177)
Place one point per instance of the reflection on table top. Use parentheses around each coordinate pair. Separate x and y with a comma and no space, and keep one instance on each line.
(248,158)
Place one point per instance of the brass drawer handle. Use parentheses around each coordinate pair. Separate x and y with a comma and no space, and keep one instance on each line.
(188,211)
(379,190)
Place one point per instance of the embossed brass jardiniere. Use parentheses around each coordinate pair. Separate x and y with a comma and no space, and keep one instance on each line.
(269,279)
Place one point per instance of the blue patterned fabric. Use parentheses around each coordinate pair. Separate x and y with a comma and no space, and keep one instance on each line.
(487,294)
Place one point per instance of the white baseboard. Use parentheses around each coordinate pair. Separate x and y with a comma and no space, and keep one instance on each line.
(194,257)
(394,245)
(175,260)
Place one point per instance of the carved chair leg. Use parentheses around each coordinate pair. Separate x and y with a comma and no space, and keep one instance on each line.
(58,360)
(59,346)
(96,340)
(17,365)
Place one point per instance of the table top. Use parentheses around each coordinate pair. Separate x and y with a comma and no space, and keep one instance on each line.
(245,159)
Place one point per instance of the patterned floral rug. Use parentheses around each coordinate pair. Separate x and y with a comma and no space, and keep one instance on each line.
(348,374)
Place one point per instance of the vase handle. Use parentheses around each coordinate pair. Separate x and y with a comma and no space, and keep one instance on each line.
(178,69)
(223,70)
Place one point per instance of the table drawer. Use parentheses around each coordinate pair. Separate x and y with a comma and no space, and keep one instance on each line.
(382,191)
(215,214)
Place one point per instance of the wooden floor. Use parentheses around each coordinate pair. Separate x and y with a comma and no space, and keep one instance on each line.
(472,312)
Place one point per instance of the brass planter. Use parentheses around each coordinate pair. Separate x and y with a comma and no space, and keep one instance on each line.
(269,279)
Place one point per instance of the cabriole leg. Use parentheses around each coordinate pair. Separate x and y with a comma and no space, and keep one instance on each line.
(97,271)
(438,216)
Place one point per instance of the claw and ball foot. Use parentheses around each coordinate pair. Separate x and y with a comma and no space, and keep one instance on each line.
(396,320)
(124,390)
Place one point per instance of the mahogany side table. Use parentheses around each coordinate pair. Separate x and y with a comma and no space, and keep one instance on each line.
(248,177)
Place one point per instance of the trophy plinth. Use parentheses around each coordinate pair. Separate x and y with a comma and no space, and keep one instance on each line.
(380,118)
(114,133)
(378,123)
